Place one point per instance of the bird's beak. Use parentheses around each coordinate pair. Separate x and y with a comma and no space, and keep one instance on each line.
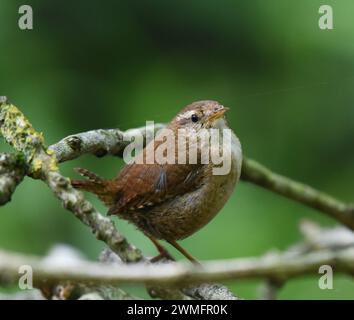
(217,114)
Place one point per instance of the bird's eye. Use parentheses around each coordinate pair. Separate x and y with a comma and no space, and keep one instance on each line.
(194,117)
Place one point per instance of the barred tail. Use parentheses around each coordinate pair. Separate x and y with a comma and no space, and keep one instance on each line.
(95,184)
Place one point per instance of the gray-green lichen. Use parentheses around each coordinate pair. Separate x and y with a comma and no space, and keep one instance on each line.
(20,134)
(18,131)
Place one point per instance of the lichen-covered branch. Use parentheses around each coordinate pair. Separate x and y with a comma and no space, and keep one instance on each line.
(100,142)
(12,171)
(209,291)
(42,164)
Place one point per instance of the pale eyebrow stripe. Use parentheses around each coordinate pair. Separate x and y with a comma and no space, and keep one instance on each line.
(186,115)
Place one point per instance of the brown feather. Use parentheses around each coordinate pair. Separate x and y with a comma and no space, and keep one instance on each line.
(104,189)
(153,183)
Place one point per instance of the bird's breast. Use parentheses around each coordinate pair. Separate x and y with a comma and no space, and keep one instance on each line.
(184,215)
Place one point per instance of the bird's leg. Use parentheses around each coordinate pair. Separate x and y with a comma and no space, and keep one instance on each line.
(163,253)
(184,252)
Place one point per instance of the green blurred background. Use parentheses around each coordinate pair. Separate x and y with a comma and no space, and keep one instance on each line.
(94,64)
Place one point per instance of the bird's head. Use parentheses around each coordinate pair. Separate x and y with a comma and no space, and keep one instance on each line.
(199,115)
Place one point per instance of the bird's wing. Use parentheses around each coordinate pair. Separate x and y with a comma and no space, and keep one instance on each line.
(140,186)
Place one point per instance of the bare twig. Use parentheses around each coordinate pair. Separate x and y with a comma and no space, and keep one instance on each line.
(66,255)
(316,239)
(276,268)
(110,258)
(256,173)
(279,267)
(204,291)
(98,142)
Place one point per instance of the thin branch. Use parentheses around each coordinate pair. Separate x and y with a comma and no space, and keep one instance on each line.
(204,291)
(316,239)
(66,255)
(108,257)
(276,266)
(258,174)
(98,142)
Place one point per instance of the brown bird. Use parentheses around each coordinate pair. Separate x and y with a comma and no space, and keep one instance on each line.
(171,201)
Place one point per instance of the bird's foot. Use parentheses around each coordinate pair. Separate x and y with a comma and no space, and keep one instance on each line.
(163,255)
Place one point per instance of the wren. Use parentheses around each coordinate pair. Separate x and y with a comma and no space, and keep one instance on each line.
(172,201)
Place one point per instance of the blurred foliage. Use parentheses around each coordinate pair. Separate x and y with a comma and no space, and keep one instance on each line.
(92,64)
